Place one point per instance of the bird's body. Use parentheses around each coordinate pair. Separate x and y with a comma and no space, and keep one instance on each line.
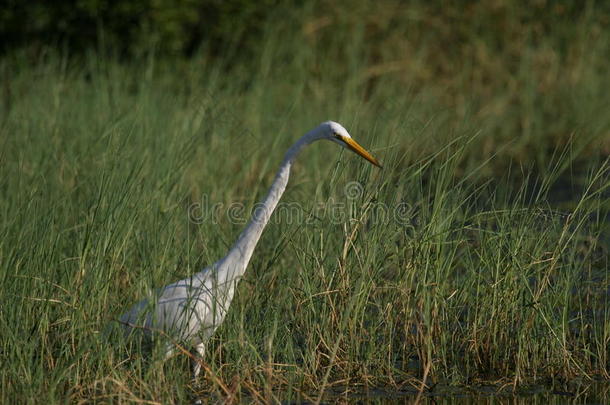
(191,309)
(188,310)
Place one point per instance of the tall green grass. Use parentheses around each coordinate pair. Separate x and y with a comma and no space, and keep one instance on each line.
(479,253)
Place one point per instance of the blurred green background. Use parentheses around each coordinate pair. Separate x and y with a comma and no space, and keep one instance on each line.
(477,59)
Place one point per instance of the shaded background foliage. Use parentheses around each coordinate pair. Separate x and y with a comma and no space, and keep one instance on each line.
(172,27)
(181,27)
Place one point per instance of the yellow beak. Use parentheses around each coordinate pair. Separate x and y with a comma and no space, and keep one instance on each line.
(355,147)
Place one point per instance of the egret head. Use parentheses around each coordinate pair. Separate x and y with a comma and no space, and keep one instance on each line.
(335,132)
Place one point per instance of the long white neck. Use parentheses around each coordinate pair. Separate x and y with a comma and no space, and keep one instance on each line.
(235,263)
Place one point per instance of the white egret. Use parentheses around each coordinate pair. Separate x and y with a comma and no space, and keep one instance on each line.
(190,310)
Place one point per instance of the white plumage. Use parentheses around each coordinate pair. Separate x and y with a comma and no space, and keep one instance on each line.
(190,310)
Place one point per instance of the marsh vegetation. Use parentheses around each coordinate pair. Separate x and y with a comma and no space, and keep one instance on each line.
(478,255)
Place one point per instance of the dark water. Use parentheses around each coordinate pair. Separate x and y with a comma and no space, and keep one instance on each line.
(571,393)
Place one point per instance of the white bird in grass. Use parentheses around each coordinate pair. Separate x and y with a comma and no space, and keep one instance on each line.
(189,311)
